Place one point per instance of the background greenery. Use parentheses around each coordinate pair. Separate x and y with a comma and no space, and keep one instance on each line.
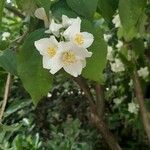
(61,120)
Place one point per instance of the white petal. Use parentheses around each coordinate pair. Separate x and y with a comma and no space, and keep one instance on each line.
(79,51)
(41,14)
(73,29)
(88,39)
(47,62)
(74,69)
(43,44)
(56,64)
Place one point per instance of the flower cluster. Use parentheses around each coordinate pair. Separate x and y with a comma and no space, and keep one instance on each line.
(133,108)
(143,73)
(66,47)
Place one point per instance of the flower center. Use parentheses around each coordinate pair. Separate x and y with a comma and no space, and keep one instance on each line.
(68,58)
(79,39)
(51,51)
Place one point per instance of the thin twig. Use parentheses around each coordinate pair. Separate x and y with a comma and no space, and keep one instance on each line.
(140,99)
(100,100)
(14,10)
(6,94)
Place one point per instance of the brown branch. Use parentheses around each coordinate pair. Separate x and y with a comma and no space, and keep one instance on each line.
(140,99)
(14,10)
(97,118)
(100,100)
(6,94)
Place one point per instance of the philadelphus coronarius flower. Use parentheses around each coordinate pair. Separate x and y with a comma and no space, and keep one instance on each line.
(73,34)
(66,49)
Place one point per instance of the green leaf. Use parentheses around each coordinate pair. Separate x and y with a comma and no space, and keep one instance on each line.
(96,64)
(2,4)
(36,80)
(130,12)
(85,8)
(8,61)
(107,8)
(61,8)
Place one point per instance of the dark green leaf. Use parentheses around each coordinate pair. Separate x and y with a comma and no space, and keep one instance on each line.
(36,80)
(97,63)
(107,8)
(61,8)
(8,61)
(85,8)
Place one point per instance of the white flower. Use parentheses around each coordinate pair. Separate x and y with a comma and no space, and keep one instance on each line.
(73,34)
(119,44)
(117,66)
(143,72)
(5,35)
(54,28)
(66,21)
(110,53)
(66,55)
(116,21)
(71,58)
(118,101)
(48,47)
(133,108)
(41,14)
(107,37)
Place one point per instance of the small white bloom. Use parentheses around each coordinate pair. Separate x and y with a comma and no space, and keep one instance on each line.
(48,47)
(117,66)
(116,21)
(118,101)
(107,37)
(113,87)
(133,108)
(41,14)
(5,35)
(71,58)
(54,28)
(131,83)
(66,21)
(110,53)
(143,72)
(119,44)
(73,34)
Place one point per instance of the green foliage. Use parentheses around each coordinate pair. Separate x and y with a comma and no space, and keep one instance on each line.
(96,64)
(8,61)
(130,12)
(61,8)
(36,80)
(107,8)
(83,7)
(2,4)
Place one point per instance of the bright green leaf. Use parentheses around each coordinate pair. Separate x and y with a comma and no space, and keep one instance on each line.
(130,12)
(8,61)
(85,8)
(96,64)
(36,80)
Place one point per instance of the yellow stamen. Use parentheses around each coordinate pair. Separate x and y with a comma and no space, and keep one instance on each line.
(79,39)
(51,51)
(68,58)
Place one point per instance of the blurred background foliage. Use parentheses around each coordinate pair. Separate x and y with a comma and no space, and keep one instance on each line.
(61,120)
